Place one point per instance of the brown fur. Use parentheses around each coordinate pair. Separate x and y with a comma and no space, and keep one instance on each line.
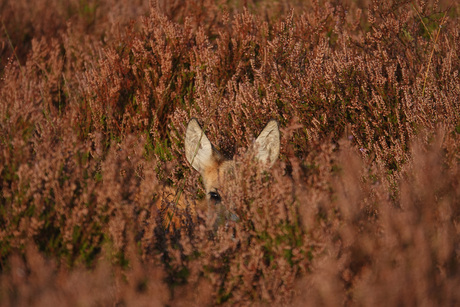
(214,167)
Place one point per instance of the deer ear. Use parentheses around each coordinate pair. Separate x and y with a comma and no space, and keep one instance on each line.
(198,148)
(267,145)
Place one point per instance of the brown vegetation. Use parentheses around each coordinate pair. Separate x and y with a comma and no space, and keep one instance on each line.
(363,207)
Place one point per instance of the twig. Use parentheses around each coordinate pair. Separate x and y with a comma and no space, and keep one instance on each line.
(434,45)
(12,48)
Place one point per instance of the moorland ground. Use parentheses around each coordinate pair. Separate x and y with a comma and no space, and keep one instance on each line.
(362,208)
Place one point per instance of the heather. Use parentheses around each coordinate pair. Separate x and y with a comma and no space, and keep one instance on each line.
(362,208)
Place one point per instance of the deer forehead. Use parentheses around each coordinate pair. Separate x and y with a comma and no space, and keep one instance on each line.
(214,175)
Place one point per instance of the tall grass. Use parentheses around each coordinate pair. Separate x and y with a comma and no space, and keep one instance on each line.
(363,207)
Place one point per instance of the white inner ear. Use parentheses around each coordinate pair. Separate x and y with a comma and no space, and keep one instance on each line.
(198,148)
(267,145)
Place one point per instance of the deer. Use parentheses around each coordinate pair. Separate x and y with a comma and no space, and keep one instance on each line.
(214,166)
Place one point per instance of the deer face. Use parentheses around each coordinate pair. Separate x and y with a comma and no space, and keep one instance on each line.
(214,167)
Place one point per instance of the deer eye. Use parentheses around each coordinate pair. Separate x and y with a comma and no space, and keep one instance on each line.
(214,196)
